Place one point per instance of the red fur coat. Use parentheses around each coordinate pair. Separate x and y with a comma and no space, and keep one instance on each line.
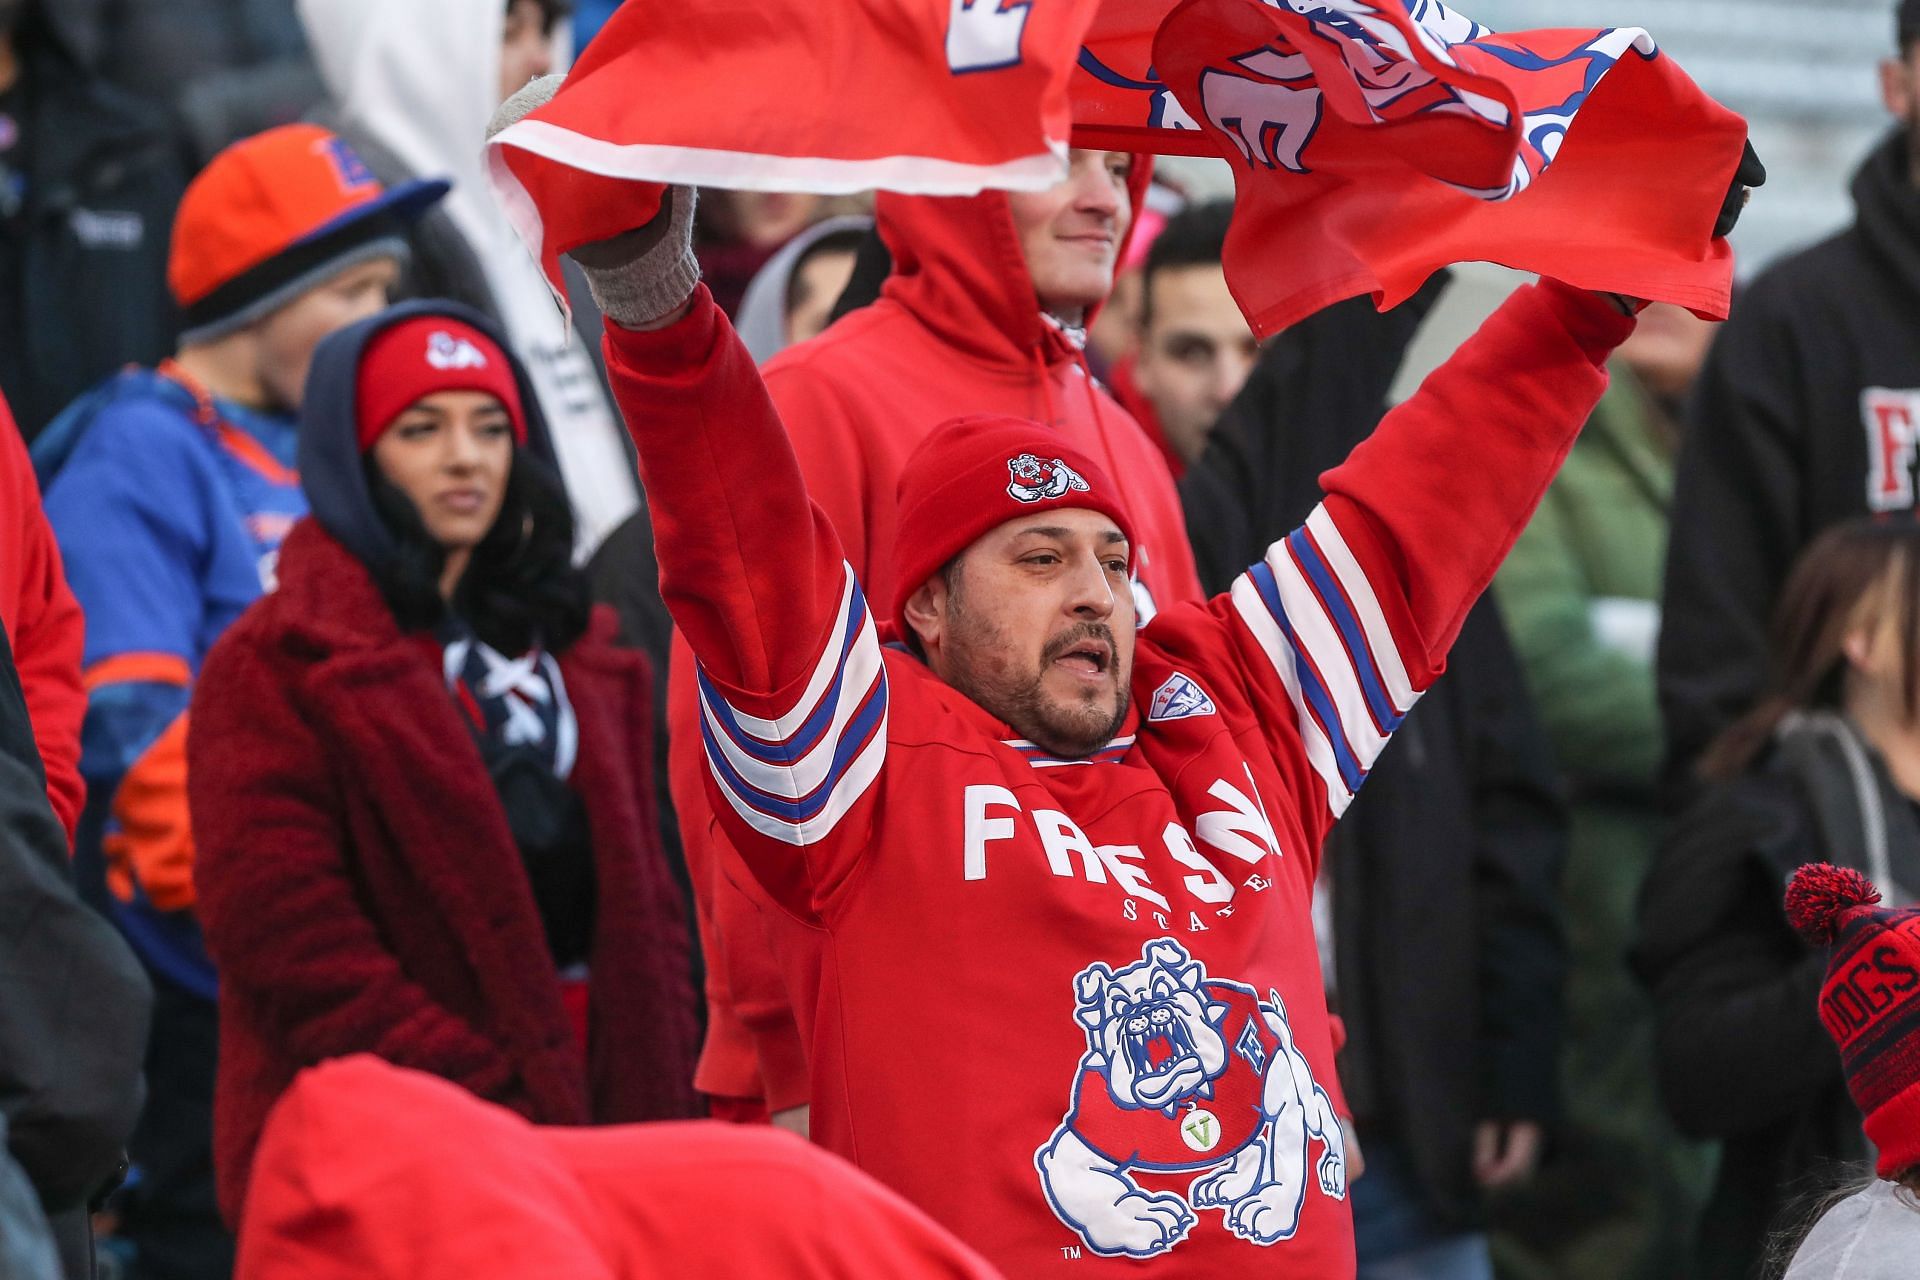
(361,892)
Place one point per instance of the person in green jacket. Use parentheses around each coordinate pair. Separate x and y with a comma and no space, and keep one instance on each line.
(1618,1196)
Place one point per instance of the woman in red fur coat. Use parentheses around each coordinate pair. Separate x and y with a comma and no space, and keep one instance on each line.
(420,774)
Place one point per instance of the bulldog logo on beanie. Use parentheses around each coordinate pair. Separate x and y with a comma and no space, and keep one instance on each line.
(444,351)
(1036,481)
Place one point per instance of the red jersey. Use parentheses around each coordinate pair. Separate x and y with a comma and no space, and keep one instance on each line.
(958,329)
(992,925)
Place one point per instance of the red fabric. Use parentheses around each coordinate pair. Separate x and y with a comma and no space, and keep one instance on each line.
(1120,379)
(370,1172)
(939,96)
(576,994)
(421,357)
(974,473)
(966,901)
(1361,167)
(1119,102)
(44,626)
(958,330)
(360,890)
(753,1055)
(737,1110)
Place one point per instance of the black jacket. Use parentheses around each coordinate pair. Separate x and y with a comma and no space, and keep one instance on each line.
(73,1005)
(1778,446)
(1741,1054)
(1450,956)
(83,263)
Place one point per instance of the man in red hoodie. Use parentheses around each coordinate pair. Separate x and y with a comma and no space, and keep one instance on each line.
(43,624)
(986,311)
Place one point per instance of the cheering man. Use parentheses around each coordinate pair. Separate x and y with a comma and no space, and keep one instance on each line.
(1066,996)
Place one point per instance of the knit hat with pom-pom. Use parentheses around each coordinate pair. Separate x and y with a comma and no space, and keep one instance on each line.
(1870,1002)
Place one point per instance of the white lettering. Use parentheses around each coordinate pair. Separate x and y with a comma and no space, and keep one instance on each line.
(981,828)
(1209,885)
(1193,923)
(1061,836)
(1244,832)
(1892,419)
(982,35)
(1119,860)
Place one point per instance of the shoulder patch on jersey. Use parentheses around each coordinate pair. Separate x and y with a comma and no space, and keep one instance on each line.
(1179,698)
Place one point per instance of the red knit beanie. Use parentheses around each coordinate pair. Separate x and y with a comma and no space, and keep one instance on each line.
(425,355)
(1870,1003)
(975,473)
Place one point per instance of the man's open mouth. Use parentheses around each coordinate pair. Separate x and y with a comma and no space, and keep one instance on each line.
(1094,657)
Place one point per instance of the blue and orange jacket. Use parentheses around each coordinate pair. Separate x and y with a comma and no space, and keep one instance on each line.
(169,506)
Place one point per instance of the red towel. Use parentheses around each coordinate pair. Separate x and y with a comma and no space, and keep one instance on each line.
(942,97)
(1376,141)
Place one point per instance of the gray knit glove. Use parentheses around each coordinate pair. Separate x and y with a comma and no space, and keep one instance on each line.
(640,276)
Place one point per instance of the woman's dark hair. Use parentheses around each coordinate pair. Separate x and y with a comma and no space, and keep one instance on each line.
(1818,608)
(519,589)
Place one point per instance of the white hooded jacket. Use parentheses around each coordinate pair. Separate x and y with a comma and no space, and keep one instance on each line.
(421,78)
(1873,1234)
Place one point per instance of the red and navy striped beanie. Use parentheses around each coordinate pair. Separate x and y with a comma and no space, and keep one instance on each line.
(1870,1002)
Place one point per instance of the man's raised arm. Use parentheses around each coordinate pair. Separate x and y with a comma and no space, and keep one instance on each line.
(1349,618)
(793,692)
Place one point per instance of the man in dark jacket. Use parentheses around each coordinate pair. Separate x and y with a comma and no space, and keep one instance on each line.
(88,183)
(73,1004)
(1453,1032)
(1808,413)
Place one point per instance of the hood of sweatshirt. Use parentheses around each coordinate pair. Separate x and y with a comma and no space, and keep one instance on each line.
(1888,208)
(332,471)
(762,319)
(958,267)
(422,77)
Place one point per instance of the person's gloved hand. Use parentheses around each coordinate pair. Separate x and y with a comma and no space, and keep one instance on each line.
(1749,175)
(643,277)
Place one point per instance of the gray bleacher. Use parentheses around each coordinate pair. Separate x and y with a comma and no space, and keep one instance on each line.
(1802,72)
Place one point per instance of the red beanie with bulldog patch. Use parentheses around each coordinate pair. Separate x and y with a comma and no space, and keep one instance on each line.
(423,355)
(978,472)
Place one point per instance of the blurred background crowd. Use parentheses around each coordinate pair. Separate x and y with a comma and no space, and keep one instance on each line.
(1581,1032)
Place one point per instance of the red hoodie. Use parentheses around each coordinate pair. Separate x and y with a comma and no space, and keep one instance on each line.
(368,1171)
(957,329)
(43,626)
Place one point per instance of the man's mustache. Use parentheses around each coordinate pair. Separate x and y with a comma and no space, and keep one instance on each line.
(1078,634)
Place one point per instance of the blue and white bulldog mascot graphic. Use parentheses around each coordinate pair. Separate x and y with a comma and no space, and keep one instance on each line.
(1186,1073)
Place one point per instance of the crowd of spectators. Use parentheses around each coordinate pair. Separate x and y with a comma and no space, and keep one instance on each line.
(342,716)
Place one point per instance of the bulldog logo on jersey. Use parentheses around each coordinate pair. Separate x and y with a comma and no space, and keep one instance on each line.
(1035,480)
(1186,1073)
